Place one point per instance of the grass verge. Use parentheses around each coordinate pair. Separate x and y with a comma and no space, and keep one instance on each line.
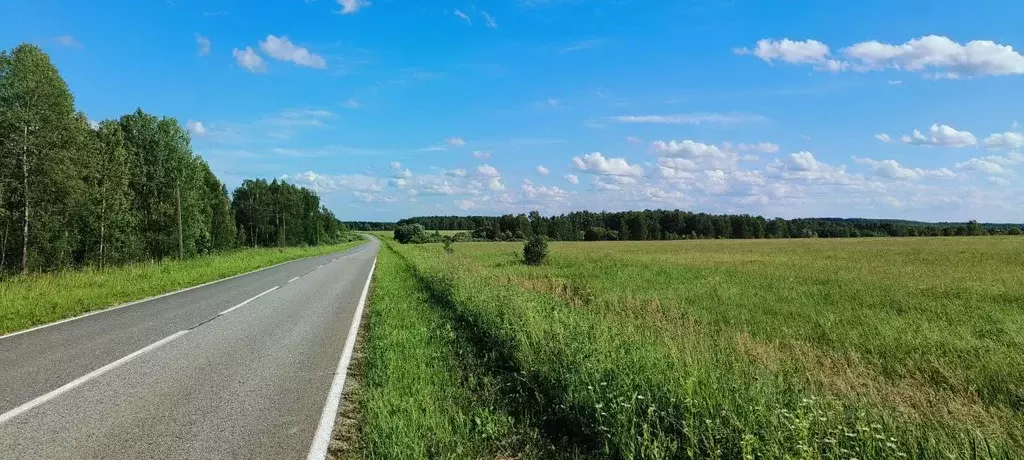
(421,396)
(31,300)
(766,349)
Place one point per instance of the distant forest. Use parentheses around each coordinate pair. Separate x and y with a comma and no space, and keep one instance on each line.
(675,224)
(74,192)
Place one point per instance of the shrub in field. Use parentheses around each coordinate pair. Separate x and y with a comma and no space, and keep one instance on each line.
(448,240)
(535,251)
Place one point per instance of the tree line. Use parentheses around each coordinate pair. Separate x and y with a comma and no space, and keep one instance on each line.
(74,193)
(675,224)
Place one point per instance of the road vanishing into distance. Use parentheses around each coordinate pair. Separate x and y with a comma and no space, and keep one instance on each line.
(241,368)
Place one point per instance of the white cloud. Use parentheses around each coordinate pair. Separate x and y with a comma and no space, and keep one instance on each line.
(456,173)
(634,139)
(542,170)
(456,141)
(1002,182)
(494,184)
(1014,125)
(941,135)
(891,169)
(249,60)
(572,179)
(352,104)
(1007,140)
(481,155)
(596,163)
(542,193)
(195,127)
(786,50)
(934,56)
(282,49)
(488,171)
(463,16)
(332,183)
(982,165)
(659,195)
(804,166)
(68,40)
(203,45)
(763,147)
(883,137)
(699,155)
(352,6)
(688,119)
(896,82)
(951,59)
(399,171)
(465,204)
(489,20)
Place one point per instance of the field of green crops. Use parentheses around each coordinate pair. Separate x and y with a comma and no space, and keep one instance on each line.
(867,348)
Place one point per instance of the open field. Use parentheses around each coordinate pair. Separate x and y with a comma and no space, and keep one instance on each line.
(27,301)
(873,348)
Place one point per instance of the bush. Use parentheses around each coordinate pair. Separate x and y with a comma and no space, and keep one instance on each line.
(448,240)
(535,251)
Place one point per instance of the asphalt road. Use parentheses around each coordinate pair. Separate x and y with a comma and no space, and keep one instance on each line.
(177,378)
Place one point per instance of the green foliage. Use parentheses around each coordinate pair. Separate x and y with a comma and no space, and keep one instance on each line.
(746,349)
(77,193)
(535,251)
(448,240)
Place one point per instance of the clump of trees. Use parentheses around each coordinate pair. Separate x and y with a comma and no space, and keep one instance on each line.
(535,251)
(676,224)
(74,192)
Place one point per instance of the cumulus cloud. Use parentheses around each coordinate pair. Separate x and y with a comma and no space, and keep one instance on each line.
(941,135)
(892,169)
(934,56)
(698,154)
(1007,140)
(249,60)
(795,52)
(993,164)
(456,141)
(572,179)
(456,173)
(804,166)
(689,118)
(883,137)
(542,193)
(352,6)
(596,163)
(488,171)
(481,155)
(282,49)
(203,45)
(195,127)
(399,171)
(542,170)
(333,183)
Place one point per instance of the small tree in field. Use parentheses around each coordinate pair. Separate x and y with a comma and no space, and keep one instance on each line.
(535,251)
(448,240)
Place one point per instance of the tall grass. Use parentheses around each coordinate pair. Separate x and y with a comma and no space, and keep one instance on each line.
(423,397)
(753,349)
(30,300)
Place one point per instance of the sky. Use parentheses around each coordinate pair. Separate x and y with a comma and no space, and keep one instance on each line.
(392,108)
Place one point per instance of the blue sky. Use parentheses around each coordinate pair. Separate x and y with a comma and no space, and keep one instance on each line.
(398,108)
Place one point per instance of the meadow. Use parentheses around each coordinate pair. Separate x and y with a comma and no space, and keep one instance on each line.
(866,348)
(34,299)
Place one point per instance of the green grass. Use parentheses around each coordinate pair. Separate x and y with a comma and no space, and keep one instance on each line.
(873,348)
(421,398)
(31,300)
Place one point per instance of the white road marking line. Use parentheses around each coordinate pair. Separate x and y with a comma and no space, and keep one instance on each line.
(318,451)
(293,279)
(85,378)
(268,291)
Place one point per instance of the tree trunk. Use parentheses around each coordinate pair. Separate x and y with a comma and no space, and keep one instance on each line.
(181,239)
(24,182)
(284,230)
(3,245)
(103,217)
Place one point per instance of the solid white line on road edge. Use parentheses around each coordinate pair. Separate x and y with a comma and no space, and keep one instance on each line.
(293,279)
(147,299)
(268,291)
(85,378)
(318,451)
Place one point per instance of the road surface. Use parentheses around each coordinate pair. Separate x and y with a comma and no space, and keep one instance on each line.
(228,370)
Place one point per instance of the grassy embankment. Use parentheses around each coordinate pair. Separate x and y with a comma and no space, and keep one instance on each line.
(875,348)
(423,396)
(27,301)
